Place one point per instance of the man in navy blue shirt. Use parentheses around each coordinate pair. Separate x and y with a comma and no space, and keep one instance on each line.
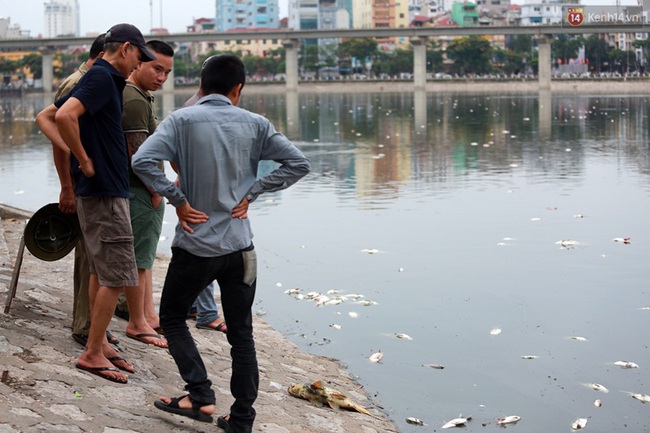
(87,123)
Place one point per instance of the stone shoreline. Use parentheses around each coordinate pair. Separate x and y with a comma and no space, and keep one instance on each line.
(42,391)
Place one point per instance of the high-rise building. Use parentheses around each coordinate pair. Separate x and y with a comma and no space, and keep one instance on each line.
(61,18)
(247,14)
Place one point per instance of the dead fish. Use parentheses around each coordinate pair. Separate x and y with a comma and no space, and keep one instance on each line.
(597,387)
(511,419)
(416,421)
(622,240)
(567,243)
(495,331)
(292,291)
(335,326)
(367,303)
(434,366)
(370,250)
(457,422)
(598,403)
(579,424)
(643,398)
(319,395)
(626,364)
(529,356)
(576,338)
(353,314)
(376,357)
(403,336)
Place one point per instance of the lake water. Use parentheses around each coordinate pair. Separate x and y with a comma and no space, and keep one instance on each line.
(446,212)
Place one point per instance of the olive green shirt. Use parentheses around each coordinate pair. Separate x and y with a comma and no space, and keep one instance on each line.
(138,115)
(71,81)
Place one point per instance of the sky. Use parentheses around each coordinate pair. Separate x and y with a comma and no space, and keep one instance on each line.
(99,16)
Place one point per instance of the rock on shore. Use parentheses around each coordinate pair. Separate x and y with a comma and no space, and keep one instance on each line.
(42,391)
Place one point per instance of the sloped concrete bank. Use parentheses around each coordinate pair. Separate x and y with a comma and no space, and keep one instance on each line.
(42,391)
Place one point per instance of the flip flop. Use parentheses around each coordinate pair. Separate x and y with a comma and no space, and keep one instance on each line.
(97,371)
(194,413)
(221,327)
(159,330)
(83,339)
(223,422)
(142,338)
(115,359)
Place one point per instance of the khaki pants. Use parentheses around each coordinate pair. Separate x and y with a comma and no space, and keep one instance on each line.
(80,301)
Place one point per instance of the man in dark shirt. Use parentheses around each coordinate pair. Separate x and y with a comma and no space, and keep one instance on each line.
(88,123)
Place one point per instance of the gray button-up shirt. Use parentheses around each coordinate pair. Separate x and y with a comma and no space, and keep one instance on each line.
(217,148)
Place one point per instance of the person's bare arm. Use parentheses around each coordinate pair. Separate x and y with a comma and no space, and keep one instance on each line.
(61,154)
(133,142)
(67,122)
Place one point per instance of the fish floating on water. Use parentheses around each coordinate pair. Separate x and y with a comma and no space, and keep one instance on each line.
(403,336)
(598,403)
(416,421)
(622,240)
(529,356)
(511,419)
(318,395)
(578,338)
(579,424)
(597,387)
(643,398)
(376,357)
(626,364)
(495,331)
(457,422)
(568,244)
(434,366)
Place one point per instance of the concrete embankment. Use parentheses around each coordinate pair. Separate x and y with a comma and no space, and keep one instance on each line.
(42,391)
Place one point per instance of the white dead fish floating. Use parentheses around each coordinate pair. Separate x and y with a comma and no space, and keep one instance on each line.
(353,314)
(622,240)
(643,398)
(577,338)
(597,387)
(511,419)
(598,403)
(579,424)
(457,422)
(403,336)
(495,331)
(434,366)
(568,244)
(292,291)
(367,303)
(335,326)
(376,357)
(626,364)
(370,250)
(416,421)
(529,356)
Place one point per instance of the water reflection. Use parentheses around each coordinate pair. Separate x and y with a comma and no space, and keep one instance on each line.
(466,204)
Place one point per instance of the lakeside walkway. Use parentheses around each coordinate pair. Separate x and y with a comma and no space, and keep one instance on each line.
(42,391)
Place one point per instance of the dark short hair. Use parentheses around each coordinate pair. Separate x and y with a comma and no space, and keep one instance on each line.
(97,47)
(160,47)
(221,73)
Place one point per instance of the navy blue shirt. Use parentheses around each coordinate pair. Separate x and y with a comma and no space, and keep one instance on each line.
(102,136)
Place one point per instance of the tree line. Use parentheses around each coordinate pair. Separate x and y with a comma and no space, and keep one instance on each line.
(469,55)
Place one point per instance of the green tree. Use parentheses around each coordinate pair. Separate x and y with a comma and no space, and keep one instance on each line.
(565,47)
(471,55)
(596,52)
(520,43)
(434,56)
(358,47)
(621,61)
(34,62)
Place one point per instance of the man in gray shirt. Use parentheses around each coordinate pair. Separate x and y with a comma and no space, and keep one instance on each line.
(217,148)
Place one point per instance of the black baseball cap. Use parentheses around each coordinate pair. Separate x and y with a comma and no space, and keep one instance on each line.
(130,33)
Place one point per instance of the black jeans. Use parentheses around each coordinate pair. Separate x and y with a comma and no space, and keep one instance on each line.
(236,275)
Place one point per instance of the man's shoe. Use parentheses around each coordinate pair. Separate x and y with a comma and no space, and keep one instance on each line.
(222,422)
(121,314)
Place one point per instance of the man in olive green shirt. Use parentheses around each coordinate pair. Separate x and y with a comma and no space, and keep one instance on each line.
(147,209)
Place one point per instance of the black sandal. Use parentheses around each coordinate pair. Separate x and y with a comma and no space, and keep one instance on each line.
(223,422)
(194,413)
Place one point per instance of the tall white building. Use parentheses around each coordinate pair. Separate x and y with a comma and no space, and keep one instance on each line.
(61,18)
